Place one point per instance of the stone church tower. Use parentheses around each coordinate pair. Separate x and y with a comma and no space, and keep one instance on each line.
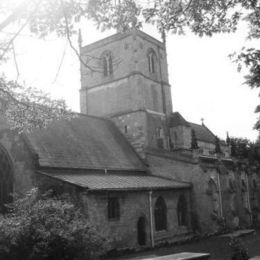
(127,81)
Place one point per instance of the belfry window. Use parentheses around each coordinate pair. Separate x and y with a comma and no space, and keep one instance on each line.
(107,64)
(160,214)
(113,208)
(151,61)
(182,211)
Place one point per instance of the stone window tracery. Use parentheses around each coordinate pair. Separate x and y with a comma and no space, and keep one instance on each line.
(151,61)
(160,214)
(107,63)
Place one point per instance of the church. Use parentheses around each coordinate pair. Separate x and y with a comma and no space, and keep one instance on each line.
(127,159)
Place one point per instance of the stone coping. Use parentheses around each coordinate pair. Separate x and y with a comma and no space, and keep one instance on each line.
(181,256)
(239,233)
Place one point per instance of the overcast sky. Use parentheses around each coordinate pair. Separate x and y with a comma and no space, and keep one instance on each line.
(205,83)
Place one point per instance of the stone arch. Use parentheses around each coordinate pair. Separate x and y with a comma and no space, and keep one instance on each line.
(107,63)
(160,214)
(6,178)
(152,60)
(213,188)
(142,230)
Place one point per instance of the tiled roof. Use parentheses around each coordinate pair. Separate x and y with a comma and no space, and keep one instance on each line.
(118,181)
(203,133)
(176,119)
(83,142)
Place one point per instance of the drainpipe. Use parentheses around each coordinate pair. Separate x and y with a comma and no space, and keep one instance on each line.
(151,217)
(220,196)
(248,199)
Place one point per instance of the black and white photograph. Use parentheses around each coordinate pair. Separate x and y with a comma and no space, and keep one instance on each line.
(129,129)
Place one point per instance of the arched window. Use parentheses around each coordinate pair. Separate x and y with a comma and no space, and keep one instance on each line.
(151,61)
(243,186)
(182,211)
(113,208)
(160,214)
(107,63)
(6,179)
(231,185)
(213,191)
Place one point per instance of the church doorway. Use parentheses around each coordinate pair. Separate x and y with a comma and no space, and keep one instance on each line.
(141,232)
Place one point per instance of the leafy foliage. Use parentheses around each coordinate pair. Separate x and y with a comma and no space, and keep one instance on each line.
(239,250)
(26,108)
(202,17)
(243,148)
(217,145)
(122,16)
(47,228)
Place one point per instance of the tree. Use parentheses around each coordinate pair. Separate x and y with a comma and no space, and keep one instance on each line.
(217,145)
(202,17)
(243,148)
(41,227)
(26,108)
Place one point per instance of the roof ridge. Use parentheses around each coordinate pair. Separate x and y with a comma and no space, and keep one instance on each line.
(92,116)
(171,179)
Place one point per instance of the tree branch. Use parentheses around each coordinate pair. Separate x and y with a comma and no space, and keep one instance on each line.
(70,42)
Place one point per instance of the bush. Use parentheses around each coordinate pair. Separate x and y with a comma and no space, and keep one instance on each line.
(239,251)
(47,228)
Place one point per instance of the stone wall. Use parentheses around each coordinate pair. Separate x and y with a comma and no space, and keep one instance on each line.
(216,202)
(133,205)
(131,86)
(22,160)
(134,127)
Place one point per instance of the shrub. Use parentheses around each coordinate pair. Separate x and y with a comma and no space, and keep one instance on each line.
(46,229)
(239,252)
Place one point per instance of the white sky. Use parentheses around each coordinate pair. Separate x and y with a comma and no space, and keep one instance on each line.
(205,83)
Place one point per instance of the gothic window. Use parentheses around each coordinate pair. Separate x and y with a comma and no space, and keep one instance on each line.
(243,186)
(254,184)
(113,208)
(151,61)
(182,211)
(160,214)
(107,63)
(231,185)
(6,180)
(213,190)
(160,137)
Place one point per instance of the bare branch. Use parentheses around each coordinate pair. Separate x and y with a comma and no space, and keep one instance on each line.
(70,42)
(15,62)
(61,63)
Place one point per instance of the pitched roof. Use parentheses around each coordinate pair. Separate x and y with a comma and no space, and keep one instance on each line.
(176,119)
(83,142)
(118,181)
(203,133)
